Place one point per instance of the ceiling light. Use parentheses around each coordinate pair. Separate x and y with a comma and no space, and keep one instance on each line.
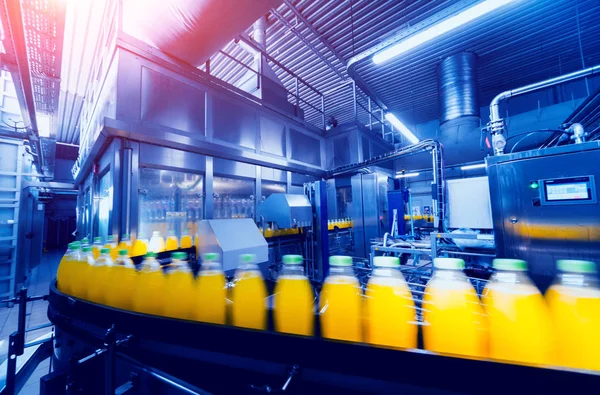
(439,29)
(400,126)
(471,167)
(407,175)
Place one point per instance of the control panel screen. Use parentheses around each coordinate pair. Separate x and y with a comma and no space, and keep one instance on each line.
(568,189)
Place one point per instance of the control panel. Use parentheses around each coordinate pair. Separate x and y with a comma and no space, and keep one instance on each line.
(571,190)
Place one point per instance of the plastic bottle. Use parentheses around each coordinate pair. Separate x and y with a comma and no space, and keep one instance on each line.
(520,326)
(151,283)
(180,288)
(186,240)
(111,244)
(172,243)
(81,276)
(97,246)
(125,244)
(85,242)
(341,302)
(65,269)
(454,319)
(211,293)
(249,295)
(121,283)
(574,301)
(157,242)
(294,300)
(389,307)
(140,246)
(101,275)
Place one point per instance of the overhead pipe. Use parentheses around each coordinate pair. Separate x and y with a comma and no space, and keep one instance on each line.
(437,154)
(496,125)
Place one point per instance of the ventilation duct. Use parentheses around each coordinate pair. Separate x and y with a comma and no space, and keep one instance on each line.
(191,30)
(459,105)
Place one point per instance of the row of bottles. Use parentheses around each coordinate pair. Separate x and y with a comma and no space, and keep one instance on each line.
(270,232)
(344,223)
(512,321)
(139,246)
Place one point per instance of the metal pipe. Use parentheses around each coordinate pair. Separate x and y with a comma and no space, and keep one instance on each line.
(260,32)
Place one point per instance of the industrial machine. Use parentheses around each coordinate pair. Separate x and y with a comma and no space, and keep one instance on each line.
(545,206)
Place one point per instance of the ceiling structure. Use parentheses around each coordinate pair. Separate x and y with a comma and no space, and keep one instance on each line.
(521,43)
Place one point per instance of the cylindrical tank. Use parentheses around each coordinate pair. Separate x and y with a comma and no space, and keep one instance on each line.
(458,87)
(191,30)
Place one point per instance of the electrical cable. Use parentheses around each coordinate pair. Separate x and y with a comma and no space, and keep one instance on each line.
(527,134)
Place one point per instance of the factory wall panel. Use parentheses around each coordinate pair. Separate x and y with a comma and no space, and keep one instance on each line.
(240,129)
(272,137)
(168,102)
(305,148)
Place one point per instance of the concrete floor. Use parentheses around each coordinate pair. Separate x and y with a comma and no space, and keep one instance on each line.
(37,284)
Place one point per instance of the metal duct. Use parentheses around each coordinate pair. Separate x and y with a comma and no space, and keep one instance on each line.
(458,86)
(191,30)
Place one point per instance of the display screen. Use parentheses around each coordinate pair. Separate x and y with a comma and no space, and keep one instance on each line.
(557,191)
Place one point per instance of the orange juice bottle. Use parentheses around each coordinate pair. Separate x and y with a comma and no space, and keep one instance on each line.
(211,293)
(294,300)
(111,243)
(96,247)
(140,246)
(389,307)
(340,305)
(574,301)
(125,244)
(101,274)
(249,294)
(151,284)
(157,242)
(172,243)
(121,283)
(65,269)
(186,240)
(520,327)
(81,276)
(179,288)
(454,321)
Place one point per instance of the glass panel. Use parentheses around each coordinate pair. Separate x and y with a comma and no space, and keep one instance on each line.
(233,198)
(269,187)
(105,198)
(344,202)
(169,201)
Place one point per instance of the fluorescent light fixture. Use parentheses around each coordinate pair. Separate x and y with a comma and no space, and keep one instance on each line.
(439,29)
(407,175)
(400,126)
(471,167)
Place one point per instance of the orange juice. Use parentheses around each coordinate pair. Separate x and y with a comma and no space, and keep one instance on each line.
(96,247)
(151,283)
(66,267)
(125,244)
(520,327)
(179,288)
(139,247)
(211,293)
(340,305)
(454,321)
(248,296)
(389,307)
(101,273)
(172,242)
(121,283)
(81,273)
(294,306)
(186,240)
(574,301)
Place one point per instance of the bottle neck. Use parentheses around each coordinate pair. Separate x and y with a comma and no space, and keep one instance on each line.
(292,270)
(341,271)
(450,275)
(579,280)
(386,272)
(511,277)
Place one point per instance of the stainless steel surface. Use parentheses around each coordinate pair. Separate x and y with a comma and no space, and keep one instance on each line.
(539,233)
(496,125)
(127,173)
(231,238)
(458,86)
(469,203)
(287,211)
